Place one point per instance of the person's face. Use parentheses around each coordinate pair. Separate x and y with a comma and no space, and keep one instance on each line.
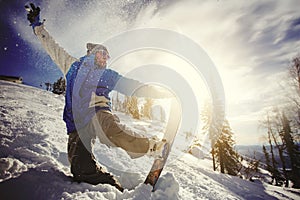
(101,58)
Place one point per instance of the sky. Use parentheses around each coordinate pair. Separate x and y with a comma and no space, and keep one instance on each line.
(251,44)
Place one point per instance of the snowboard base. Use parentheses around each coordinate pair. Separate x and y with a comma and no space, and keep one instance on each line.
(157,167)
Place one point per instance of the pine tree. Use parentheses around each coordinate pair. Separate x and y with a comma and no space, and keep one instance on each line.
(48,86)
(271,167)
(216,126)
(146,111)
(226,156)
(131,105)
(292,151)
(267,158)
(206,118)
(212,126)
(126,105)
(59,87)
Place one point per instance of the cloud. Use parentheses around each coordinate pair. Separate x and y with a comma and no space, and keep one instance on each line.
(251,43)
(293,33)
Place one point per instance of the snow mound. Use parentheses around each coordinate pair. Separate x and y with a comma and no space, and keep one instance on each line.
(168,187)
(11,168)
(196,151)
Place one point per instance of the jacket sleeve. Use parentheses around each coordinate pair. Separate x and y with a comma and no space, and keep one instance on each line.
(59,55)
(132,87)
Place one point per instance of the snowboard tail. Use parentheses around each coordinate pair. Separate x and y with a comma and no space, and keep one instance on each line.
(157,167)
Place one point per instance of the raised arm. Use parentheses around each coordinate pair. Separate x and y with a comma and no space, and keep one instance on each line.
(132,87)
(58,54)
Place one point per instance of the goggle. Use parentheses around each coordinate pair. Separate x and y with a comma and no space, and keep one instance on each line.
(104,54)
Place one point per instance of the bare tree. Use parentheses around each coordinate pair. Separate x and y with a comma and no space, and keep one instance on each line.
(294,95)
(270,124)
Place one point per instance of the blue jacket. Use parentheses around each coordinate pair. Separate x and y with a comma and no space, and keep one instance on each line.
(84,78)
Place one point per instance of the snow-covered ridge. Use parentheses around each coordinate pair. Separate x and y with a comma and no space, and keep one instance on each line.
(33,159)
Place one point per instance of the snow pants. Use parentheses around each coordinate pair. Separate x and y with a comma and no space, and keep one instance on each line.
(108,129)
(83,164)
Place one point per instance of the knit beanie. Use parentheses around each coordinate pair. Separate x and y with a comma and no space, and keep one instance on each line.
(93,48)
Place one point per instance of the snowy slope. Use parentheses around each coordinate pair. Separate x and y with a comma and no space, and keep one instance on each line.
(33,160)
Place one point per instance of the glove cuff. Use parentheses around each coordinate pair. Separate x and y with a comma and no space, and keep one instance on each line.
(36,22)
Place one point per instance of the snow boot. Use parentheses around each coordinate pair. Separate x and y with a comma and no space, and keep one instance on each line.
(83,164)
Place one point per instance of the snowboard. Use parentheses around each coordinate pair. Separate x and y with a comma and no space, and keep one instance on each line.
(169,136)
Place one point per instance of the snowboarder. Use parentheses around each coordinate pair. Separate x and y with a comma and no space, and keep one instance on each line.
(87,111)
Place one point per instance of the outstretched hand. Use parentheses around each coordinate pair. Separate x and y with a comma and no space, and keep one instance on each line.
(33,15)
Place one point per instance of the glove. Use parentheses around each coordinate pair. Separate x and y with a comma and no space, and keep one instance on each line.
(33,15)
